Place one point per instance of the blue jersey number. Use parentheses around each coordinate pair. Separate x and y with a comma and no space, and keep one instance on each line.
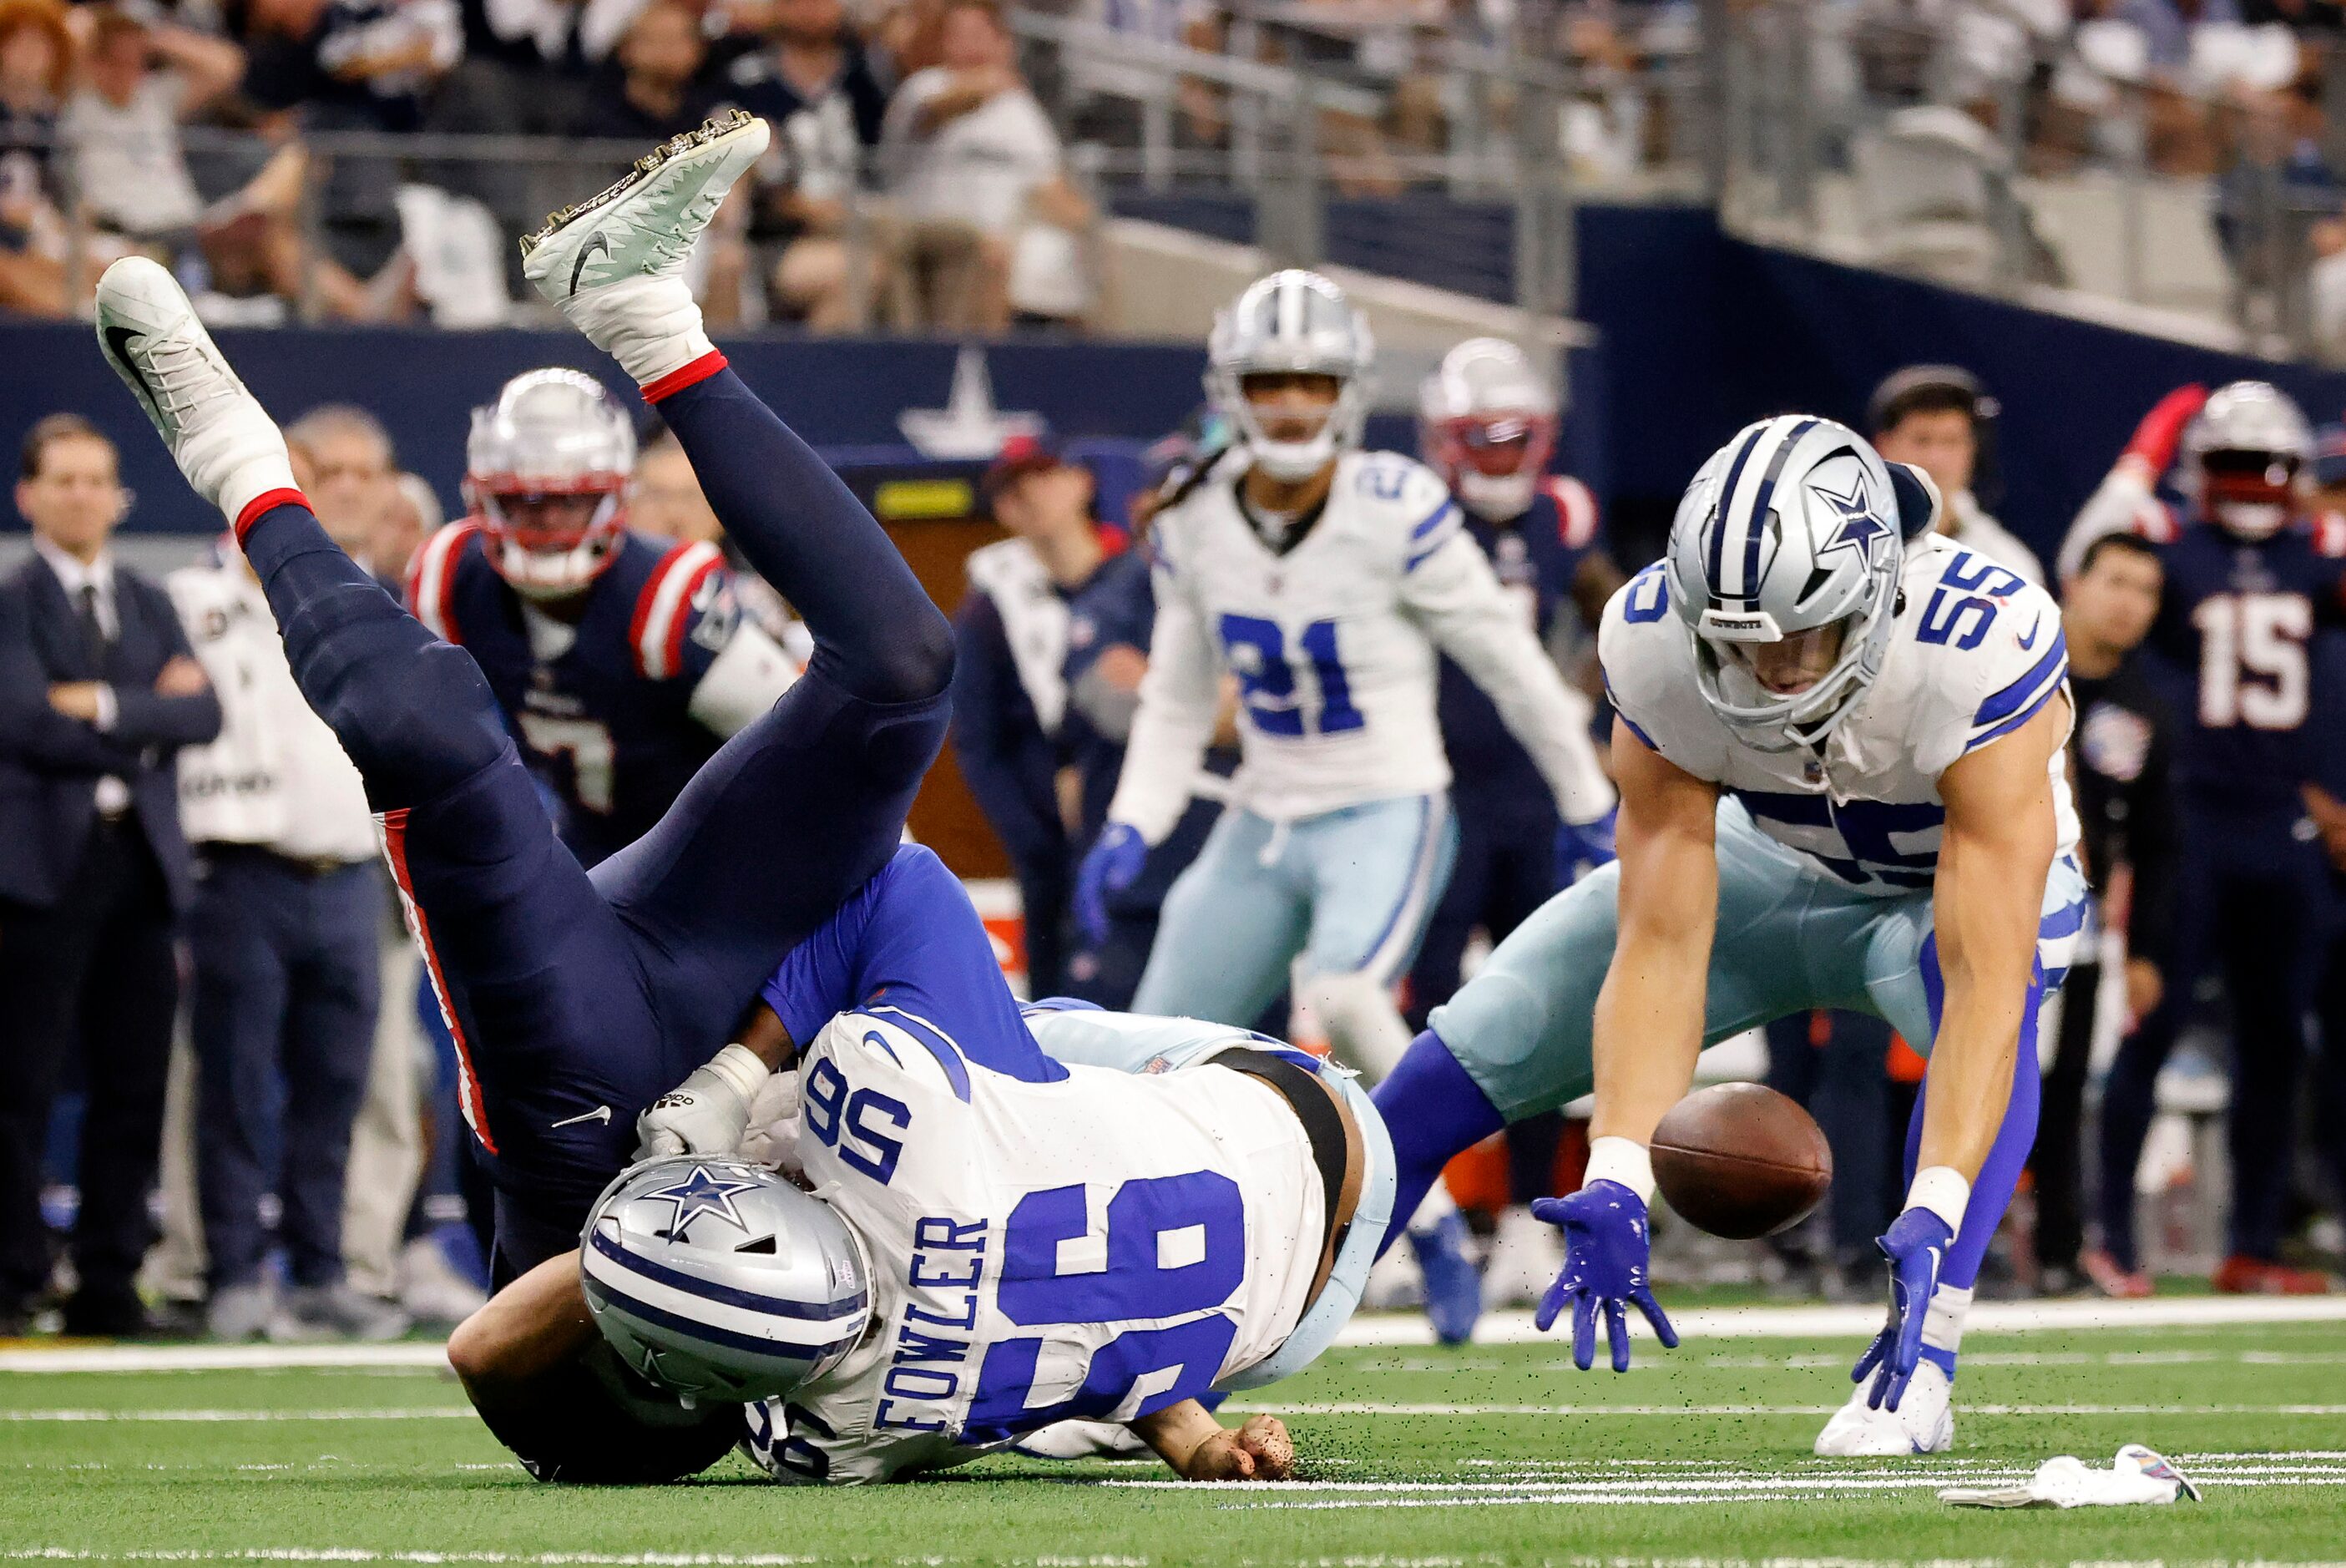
(1175,1245)
(1257,651)
(1648,597)
(1963,606)
(848,1122)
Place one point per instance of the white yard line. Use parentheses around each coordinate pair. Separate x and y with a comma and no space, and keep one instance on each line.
(1831,1322)
(217,1358)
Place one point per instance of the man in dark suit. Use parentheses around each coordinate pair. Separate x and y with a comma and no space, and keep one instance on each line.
(98,693)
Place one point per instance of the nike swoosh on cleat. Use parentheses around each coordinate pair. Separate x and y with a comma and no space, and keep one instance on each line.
(596,241)
(117,344)
(599,1114)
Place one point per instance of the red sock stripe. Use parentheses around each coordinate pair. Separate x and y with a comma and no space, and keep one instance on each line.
(266,501)
(468,1082)
(676,380)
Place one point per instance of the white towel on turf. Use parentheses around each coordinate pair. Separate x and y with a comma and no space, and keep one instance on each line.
(2138,1475)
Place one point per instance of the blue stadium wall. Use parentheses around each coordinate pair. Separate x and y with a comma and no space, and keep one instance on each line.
(1699,334)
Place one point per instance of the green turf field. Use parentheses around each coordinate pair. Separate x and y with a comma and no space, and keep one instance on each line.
(1414,1455)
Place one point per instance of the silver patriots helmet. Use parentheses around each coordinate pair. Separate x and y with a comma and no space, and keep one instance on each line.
(2246,459)
(1486,422)
(719,1280)
(1783,563)
(547,469)
(1292,322)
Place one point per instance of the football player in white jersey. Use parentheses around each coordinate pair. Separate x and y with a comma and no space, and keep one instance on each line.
(1840,750)
(1325,579)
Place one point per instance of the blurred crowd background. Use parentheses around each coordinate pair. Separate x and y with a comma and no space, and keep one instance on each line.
(947,164)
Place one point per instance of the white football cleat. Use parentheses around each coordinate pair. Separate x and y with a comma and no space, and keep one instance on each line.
(1923,1422)
(223,441)
(614,263)
(1081,1440)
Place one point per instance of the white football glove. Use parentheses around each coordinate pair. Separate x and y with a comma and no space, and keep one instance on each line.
(708,1113)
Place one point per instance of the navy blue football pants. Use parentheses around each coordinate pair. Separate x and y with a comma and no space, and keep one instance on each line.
(578,998)
(285,985)
(2254,901)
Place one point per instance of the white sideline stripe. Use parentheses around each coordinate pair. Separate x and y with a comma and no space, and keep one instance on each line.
(1392,1408)
(217,1358)
(385,1413)
(1390,1328)
(782,1560)
(1833,1322)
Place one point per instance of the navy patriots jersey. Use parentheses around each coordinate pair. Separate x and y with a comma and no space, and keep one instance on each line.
(1537,557)
(2236,629)
(605,722)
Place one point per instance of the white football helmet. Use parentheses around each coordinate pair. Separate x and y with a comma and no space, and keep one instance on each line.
(546,468)
(1487,423)
(721,1281)
(1783,563)
(1289,323)
(2245,459)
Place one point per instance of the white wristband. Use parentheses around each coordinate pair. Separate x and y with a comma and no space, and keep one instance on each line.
(1625,1160)
(739,1067)
(1943,1190)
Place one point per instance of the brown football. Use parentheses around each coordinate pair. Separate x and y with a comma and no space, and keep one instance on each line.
(1740,1160)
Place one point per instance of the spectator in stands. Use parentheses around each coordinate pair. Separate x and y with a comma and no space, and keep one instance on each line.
(2120,750)
(285,973)
(666,501)
(991,226)
(354,488)
(414,516)
(354,66)
(812,81)
(1010,692)
(97,694)
(122,128)
(36,60)
(1934,416)
(655,86)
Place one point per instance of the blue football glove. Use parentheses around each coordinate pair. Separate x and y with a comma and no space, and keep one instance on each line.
(1110,867)
(1916,1244)
(1581,849)
(1605,1247)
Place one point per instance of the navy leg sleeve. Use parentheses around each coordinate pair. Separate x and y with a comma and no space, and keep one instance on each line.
(875,631)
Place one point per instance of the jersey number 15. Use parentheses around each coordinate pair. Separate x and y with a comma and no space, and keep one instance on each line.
(2252,660)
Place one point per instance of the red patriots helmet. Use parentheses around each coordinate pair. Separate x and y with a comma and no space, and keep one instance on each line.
(546,468)
(1487,423)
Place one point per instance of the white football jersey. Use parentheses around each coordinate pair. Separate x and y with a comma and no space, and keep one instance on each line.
(1333,644)
(1974,653)
(1096,1246)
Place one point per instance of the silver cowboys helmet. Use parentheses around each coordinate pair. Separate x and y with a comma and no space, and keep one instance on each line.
(1783,563)
(547,469)
(1487,423)
(719,1280)
(1292,322)
(2246,459)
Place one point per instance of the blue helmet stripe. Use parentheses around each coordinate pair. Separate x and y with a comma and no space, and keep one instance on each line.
(1760,500)
(1726,498)
(708,1334)
(748,1301)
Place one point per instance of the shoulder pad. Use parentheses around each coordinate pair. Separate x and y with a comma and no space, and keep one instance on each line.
(664,608)
(431,579)
(1396,492)
(1996,653)
(2329,535)
(1648,674)
(1576,514)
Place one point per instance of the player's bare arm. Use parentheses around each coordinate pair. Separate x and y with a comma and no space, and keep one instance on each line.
(1649,1024)
(534,1327)
(1998,846)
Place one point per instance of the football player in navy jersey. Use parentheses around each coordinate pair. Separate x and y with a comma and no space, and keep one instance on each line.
(1488,424)
(2252,577)
(621,662)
